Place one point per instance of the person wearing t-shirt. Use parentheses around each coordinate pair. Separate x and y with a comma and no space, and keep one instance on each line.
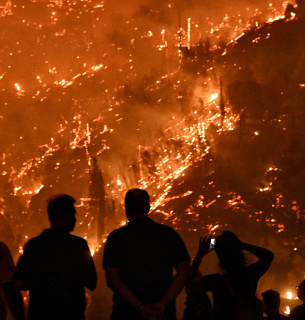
(57,266)
(139,260)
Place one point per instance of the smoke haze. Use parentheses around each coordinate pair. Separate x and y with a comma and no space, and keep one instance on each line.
(84,80)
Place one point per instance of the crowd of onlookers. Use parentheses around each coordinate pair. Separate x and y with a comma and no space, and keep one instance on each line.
(234,289)
(139,260)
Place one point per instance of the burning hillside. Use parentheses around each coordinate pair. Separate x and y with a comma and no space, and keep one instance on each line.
(206,112)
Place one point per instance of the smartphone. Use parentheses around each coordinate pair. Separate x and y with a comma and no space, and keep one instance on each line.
(212,244)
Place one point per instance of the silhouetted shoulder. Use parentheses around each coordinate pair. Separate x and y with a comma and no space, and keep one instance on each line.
(298,312)
(144,237)
(78,240)
(166,228)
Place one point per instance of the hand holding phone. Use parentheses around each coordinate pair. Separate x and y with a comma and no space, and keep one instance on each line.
(205,246)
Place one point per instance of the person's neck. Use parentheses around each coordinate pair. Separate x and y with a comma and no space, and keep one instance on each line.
(59,227)
(135,216)
(138,218)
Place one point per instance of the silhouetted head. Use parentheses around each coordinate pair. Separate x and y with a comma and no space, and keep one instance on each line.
(136,203)
(229,252)
(301,291)
(271,300)
(198,306)
(61,211)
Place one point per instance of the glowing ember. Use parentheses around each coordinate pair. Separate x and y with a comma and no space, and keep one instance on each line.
(287,310)
(289,295)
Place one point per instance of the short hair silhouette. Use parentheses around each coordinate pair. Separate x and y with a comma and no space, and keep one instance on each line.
(272,299)
(58,205)
(137,201)
(229,251)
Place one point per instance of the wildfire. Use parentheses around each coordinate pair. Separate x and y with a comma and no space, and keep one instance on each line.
(214,96)
(289,295)
(87,129)
(20,92)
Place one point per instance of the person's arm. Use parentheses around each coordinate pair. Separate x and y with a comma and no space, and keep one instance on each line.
(115,283)
(14,300)
(176,286)
(265,256)
(23,275)
(203,249)
(90,277)
(195,279)
(111,264)
(155,310)
(12,295)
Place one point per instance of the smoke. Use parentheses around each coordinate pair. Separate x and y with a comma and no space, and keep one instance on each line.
(105,79)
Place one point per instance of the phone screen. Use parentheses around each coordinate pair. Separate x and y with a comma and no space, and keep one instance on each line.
(212,244)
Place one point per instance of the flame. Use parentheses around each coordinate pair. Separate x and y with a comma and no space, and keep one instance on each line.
(289,295)
(20,92)
(214,96)
(287,310)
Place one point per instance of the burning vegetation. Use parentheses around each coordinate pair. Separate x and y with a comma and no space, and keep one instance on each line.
(202,107)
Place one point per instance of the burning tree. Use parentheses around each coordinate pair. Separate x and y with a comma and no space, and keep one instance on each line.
(97,196)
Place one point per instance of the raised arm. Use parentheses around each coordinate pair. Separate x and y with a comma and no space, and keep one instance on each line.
(203,249)
(265,256)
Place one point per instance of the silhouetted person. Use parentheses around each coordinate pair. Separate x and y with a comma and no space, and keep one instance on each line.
(234,289)
(9,296)
(56,267)
(271,305)
(198,306)
(298,312)
(300,9)
(139,260)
